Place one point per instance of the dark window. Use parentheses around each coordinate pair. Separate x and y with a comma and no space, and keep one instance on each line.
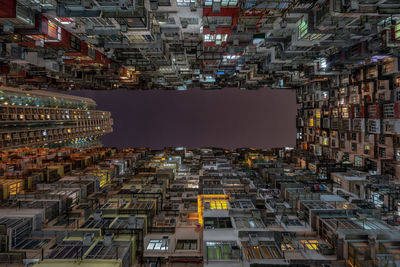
(186,245)
(353,146)
(217,222)
(382,152)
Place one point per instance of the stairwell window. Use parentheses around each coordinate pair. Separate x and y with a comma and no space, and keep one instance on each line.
(303,28)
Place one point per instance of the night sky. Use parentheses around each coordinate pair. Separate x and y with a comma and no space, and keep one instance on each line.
(227,118)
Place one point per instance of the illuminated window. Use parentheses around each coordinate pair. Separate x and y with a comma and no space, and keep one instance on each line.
(325,141)
(229,2)
(221,250)
(358,161)
(224,3)
(54,31)
(322,63)
(215,37)
(230,57)
(303,28)
(397,31)
(216,204)
(185,2)
(15,188)
(366,149)
(64,21)
(309,244)
(158,244)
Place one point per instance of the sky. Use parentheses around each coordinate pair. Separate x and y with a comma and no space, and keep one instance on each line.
(227,118)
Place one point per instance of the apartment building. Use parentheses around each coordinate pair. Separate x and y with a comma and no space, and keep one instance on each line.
(42,118)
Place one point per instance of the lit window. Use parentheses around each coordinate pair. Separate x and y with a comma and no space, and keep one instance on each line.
(303,28)
(322,63)
(224,3)
(230,57)
(185,2)
(397,31)
(158,244)
(309,244)
(215,37)
(216,204)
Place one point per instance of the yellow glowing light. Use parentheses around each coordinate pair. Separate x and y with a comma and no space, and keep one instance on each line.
(216,202)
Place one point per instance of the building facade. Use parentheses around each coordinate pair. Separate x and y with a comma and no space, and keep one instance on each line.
(41,118)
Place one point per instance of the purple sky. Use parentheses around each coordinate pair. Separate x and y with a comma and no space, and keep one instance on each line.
(227,118)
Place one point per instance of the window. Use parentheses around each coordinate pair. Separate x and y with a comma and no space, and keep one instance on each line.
(244,222)
(217,222)
(309,244)
(216,204)
(218,38)
(353,146)
(164,3)
(158,244)
(229,2)
(341,144)
(358,161)
(230,57)
(366,149)
(75,43)
(240,204)
(303,28)
(381,139)
(15,188)
(389,128)
(382,152)
(261,250)
(222,250)
(224,3)
(185,2)
(186,245)
(189,21)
